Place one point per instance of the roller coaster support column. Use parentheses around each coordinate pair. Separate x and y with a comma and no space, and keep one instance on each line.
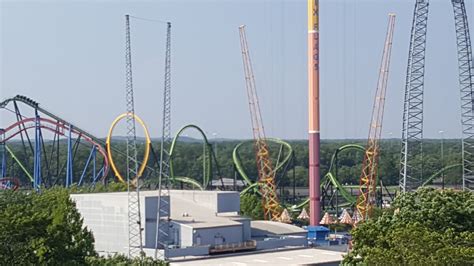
(313,93)
(466,84)
(3,155)
(69,158)
(37,154)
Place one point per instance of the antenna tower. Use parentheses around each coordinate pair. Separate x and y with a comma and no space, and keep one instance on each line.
(134,218)
(163,213)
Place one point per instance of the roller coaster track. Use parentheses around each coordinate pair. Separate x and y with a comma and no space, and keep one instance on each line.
(240,169)
(208,158)
(329,178)
(437,174)
(59,127)
(35,105)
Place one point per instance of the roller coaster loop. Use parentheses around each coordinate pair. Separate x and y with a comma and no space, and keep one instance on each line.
(329,178)
(208,157)
(251,185)
(147,147)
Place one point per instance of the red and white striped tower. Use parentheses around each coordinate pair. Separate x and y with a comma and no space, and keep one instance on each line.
(313,105)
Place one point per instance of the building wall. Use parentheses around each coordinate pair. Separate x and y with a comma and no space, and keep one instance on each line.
(228,202)
(217,201)
(151,209)
(214,236)
(246,234)
(106,215)
(186,235)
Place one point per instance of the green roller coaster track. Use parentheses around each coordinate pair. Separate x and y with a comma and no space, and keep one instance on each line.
(437,174)
(329,177)
(208,156)
(19,163)
(251,185)
(332,178)
(207,160)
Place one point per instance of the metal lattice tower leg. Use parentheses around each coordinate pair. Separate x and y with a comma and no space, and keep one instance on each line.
(163,213)
(411,171)
(134,217)
(466,83)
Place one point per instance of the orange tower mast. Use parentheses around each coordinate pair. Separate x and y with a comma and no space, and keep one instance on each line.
(313,113)
(266,175)
(368,178)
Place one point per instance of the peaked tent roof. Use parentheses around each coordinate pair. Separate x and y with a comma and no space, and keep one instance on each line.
(285,217)
(345,218)
(303,215)
(327,219)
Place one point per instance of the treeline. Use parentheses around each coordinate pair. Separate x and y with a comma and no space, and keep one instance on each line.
(188,161)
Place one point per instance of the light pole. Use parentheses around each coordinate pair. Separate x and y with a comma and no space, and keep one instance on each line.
(442,157)
(215,143)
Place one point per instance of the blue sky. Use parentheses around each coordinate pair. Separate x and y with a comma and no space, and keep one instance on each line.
(69,56)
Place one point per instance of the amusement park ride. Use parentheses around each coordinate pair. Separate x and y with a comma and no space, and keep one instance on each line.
(368,178)
(266,173)
(411,172)
(41,150)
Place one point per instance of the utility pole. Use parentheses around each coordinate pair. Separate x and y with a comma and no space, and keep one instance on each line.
(215,143)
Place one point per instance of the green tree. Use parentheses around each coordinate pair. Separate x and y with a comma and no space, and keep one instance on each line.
(251,206)
(123,260)
(422,228)
(42,228)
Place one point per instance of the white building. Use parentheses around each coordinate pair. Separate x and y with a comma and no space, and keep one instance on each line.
(202,223)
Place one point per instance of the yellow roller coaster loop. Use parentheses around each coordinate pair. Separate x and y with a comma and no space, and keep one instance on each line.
(147,147)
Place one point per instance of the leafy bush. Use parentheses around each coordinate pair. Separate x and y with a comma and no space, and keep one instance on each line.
(46,229)
(251,206)
(123,260)
(42,228)
(426,227)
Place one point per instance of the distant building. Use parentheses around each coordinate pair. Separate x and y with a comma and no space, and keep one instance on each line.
(202,223)
(228,184)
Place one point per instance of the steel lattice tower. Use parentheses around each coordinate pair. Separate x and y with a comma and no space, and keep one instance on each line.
(266,174)
(134,217)
(411,172)
(368,178)
(163,212)
(412,130)
(466,83)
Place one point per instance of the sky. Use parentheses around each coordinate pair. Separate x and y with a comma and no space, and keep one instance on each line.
(70,57)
